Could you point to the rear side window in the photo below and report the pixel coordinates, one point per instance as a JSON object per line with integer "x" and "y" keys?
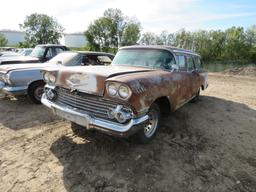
{"x": 190, "y": 63}
{"x": 58, "y": 50}
{"x": 181, "y": 62}
{"x": 104, "y": 59}
{"x": 197, "y": 61}
{"x": 49, "y": 53}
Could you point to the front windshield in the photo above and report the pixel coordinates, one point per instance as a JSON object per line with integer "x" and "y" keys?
{"x": 67, "y": 59}
{"x": 150, "y": 58}
{"x": 38, "y": 52}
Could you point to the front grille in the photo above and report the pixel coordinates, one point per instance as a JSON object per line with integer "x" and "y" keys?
{"x": 90, "y": 104}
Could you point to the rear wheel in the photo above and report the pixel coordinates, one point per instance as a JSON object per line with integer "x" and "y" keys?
{"x": 35, "y": 92}
{"x": 148, "y": 132}
{"x": 196, "y": 98}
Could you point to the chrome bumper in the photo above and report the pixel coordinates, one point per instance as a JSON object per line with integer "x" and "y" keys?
{"x": 22, "y": 90}
{"x": 112, "y": 128}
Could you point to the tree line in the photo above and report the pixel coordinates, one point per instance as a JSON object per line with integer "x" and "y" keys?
{"x": 113, "y": 30}
{"x": 233, "y": 44}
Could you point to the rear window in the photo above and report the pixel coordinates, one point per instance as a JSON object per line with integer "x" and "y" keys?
{"x": 104, "y": 59}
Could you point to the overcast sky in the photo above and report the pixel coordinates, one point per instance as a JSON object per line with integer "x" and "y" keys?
{"x": 154, "y": 15}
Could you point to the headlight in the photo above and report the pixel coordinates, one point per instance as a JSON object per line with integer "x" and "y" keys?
{"x": 49, "y": 78}
{"x": 46, "y": 76}
{"x": 118, "y": 90}
{"x": 124, "y": 92}
{"x": 112, "y": 89}
{"x": 52, "y": 78}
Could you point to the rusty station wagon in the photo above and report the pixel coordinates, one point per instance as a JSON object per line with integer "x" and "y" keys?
{"x": 129, "y": 96}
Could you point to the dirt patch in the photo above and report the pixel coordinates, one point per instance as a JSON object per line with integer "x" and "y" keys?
{"x": 204, "y": 146}
{"x": 248, "y": 71}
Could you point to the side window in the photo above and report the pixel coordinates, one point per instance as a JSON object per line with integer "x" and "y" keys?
{"x": 49, "y": 53}
{"x": 190, "y": 63}
{"x": 76, "y": 61}
{"x": 58, "y": 50}
{"x": 91, "y": 60}
{"x": 181, "y": 62}
{"x": 197, "y": 62}
{"x": 168, "y": 61}
{"x": 105, "y": 60}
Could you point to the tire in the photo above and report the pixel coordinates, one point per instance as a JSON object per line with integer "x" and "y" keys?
{"x": 196, "y": 98}
{"x": 78, "y": 129}
{"x": 148, "y": 132}
{"x": 35, "y": 92}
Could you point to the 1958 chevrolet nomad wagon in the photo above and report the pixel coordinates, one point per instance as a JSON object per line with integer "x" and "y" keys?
{"x": 129, "y": 96}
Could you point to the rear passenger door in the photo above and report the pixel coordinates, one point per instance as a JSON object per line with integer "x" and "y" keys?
{"x": 203, "y": 77}
{"x": 185, "y": 83}
{"x": 192, "y": 74}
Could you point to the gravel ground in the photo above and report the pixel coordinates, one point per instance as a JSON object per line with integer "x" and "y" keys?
{"x": 205, "y": 146}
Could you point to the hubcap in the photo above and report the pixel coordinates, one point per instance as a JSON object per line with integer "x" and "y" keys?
{"x": 151, "y": 126}
{"x": 39, "y": 92}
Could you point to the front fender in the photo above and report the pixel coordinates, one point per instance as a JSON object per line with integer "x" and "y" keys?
{"x": 24, "y": 77}
{"x": 147, "y": 87}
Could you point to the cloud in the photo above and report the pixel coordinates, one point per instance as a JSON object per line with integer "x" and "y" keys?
{"x": 154, "y": 15}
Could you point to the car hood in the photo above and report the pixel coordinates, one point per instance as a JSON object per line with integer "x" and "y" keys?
{"x": 8, "y": 68}
{"x": 18, "y": 59}
{"x": 91, "y": 79}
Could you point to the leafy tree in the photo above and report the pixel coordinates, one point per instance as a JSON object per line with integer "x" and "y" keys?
{"x": 23, "y": 45}
{"x": 148, "y": 38}
{"x": 131, "y": 33}
{"x": 119, "y": 22}
{"x": 112, "y": 30}
{"x": 100, "y": 35}
{"x": 251, "y": 36}
{"x": 165, "y": 38}
{"x": 41, "y": 29}
{"x": 3, "y": 40}
{"x": 235, "y": 45}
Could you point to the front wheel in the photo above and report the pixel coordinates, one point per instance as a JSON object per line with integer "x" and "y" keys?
{"x": 148, "y": 132}
{"x": 36, "y": 91}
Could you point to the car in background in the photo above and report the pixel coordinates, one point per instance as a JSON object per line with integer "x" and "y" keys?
{"x": 26, "y": 79}
{"x": 4, "y": 54}
{"x": 22, "y": 52}
{"x": 129, "y": 96}
{"x": 40, "y": 54}
{"x": 25, "y": 51}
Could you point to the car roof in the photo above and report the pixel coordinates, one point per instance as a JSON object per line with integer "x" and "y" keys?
{"x": 162, "y": 47}
{"x": 51, "y": 45}
{"x": 94, "y": 53}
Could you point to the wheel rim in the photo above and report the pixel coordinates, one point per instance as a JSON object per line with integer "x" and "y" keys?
{"x": 39, "y": 92}
{"x": 150, "y": 127}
